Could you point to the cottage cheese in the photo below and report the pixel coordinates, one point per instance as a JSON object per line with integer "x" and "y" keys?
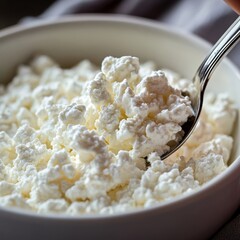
{"x": 85, "y": 140}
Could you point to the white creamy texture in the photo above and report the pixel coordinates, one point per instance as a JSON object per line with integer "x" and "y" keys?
{"x": 76, "y": 141}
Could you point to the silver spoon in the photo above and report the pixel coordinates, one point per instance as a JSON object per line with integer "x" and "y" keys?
{"x": 202, "y": 76}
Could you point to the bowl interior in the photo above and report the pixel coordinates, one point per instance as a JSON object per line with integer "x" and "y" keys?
{"x": 94, "y": 37}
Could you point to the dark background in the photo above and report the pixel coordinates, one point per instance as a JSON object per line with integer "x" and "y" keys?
{"x": 11, "y": 11}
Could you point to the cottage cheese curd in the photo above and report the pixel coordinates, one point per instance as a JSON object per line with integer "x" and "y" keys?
{"x": 85, "y": 140}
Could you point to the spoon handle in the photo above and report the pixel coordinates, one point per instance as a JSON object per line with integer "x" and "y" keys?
{"x": 219, "y": 50}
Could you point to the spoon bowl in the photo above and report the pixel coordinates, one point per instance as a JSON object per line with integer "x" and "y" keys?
{"x": 221, "y": 48}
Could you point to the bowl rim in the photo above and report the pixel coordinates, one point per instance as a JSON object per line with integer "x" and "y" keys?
{"x": 217, "y": 182}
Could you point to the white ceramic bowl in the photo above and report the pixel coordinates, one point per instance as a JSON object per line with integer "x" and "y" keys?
{"x": 196, "y": 216}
